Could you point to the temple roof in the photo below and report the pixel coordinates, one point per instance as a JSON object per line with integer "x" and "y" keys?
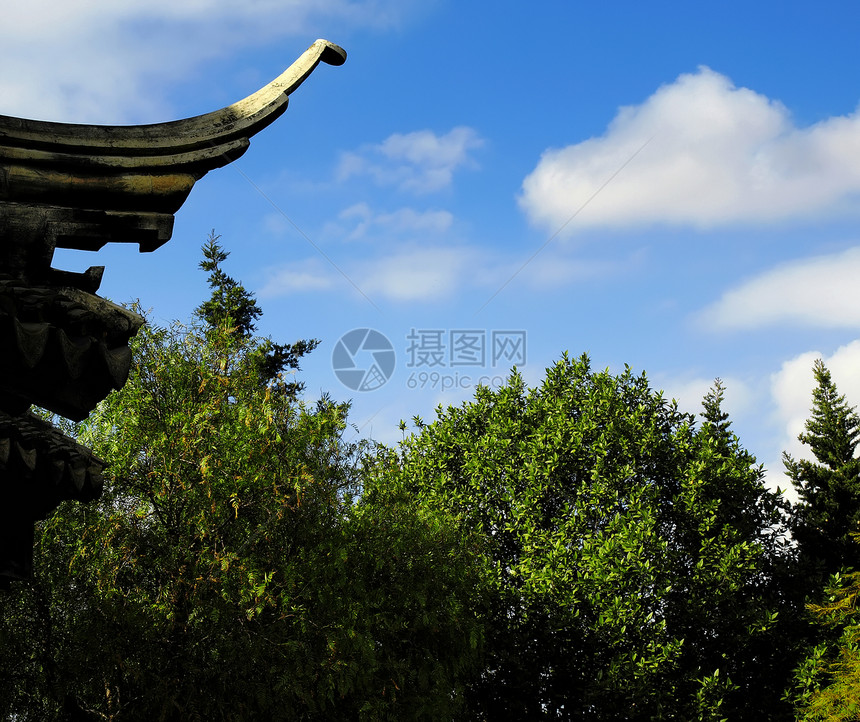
{"x": 63, "y": 349}
{"x": 70, "y": 185}
{"x": 39, "y": 468}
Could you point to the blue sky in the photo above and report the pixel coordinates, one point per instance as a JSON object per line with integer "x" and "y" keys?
{"x": 674, "y": 186}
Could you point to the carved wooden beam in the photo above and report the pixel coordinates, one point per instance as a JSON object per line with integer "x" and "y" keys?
{"x": 77, "y": 186}
{"x": 63, "y": 349}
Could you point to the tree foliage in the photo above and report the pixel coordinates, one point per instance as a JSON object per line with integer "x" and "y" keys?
{"x": 229, "y": 305}
{"x": 828, "y": 488}
{"x": 231, "y": 308}
{"x": 627, "y": 555}
{"x": 578, "y": 550}
{"x": 827, "y": 683}
{"x": 825, "y": 525}
{"x": 227, "y": 572}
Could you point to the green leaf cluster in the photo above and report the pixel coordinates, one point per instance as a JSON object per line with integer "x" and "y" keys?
{"x": 628, "y": 556}
{"x": 827, "y": 682}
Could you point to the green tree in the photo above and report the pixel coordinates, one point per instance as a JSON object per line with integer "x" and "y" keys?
{"x": 627, "y": 556}
{"x": 231, "y": 308}
{"x": 823, "y": 523}
{"x": 230, "y": 305}
{"x": 228, "y": 572}
{"x": 828, "y": 488}
{"x": 827, "y": 683}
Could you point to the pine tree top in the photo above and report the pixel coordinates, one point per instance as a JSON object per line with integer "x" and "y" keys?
{"x": 833, "y": 428}
{"x": 230, "y": 303}
{"x": 232, "y": 307}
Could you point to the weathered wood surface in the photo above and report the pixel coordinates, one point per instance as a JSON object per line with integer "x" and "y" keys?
{"x": 80, "y": 186}
{"x": 62, "y": 349}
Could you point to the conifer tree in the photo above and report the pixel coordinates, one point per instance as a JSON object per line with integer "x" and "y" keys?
{"x": 828, "y": 488}
{"x": 230, "y": 303}
{"x": 827, "y": 682}
{"x": 232, "y": 307}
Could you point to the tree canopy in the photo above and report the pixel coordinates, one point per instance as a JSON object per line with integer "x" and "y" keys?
{"x": 580, "y": 549}
{"x": 627, "y": 554}
{"x": 226, "y": 572}
{"x": 827, "y": 682}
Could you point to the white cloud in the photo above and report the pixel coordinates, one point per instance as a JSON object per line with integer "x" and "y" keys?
{"x": 434, "y": 271}
{"x": 713, "y": 154}
{"x": 410, "y": 255}
{"x": 359, "y": 221}
{"x": 443, "y": 272}
{"x": 418, "y": 162}
{"x": 819, "y": 291}
{"x": 104, "y": 61}
{"x": 410, "y": 274}
{"x": 298, "y": 277}
{"x": 417, "y": 274}
{"x": 791, "y": 390}
{"x": 554, "y": 268}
